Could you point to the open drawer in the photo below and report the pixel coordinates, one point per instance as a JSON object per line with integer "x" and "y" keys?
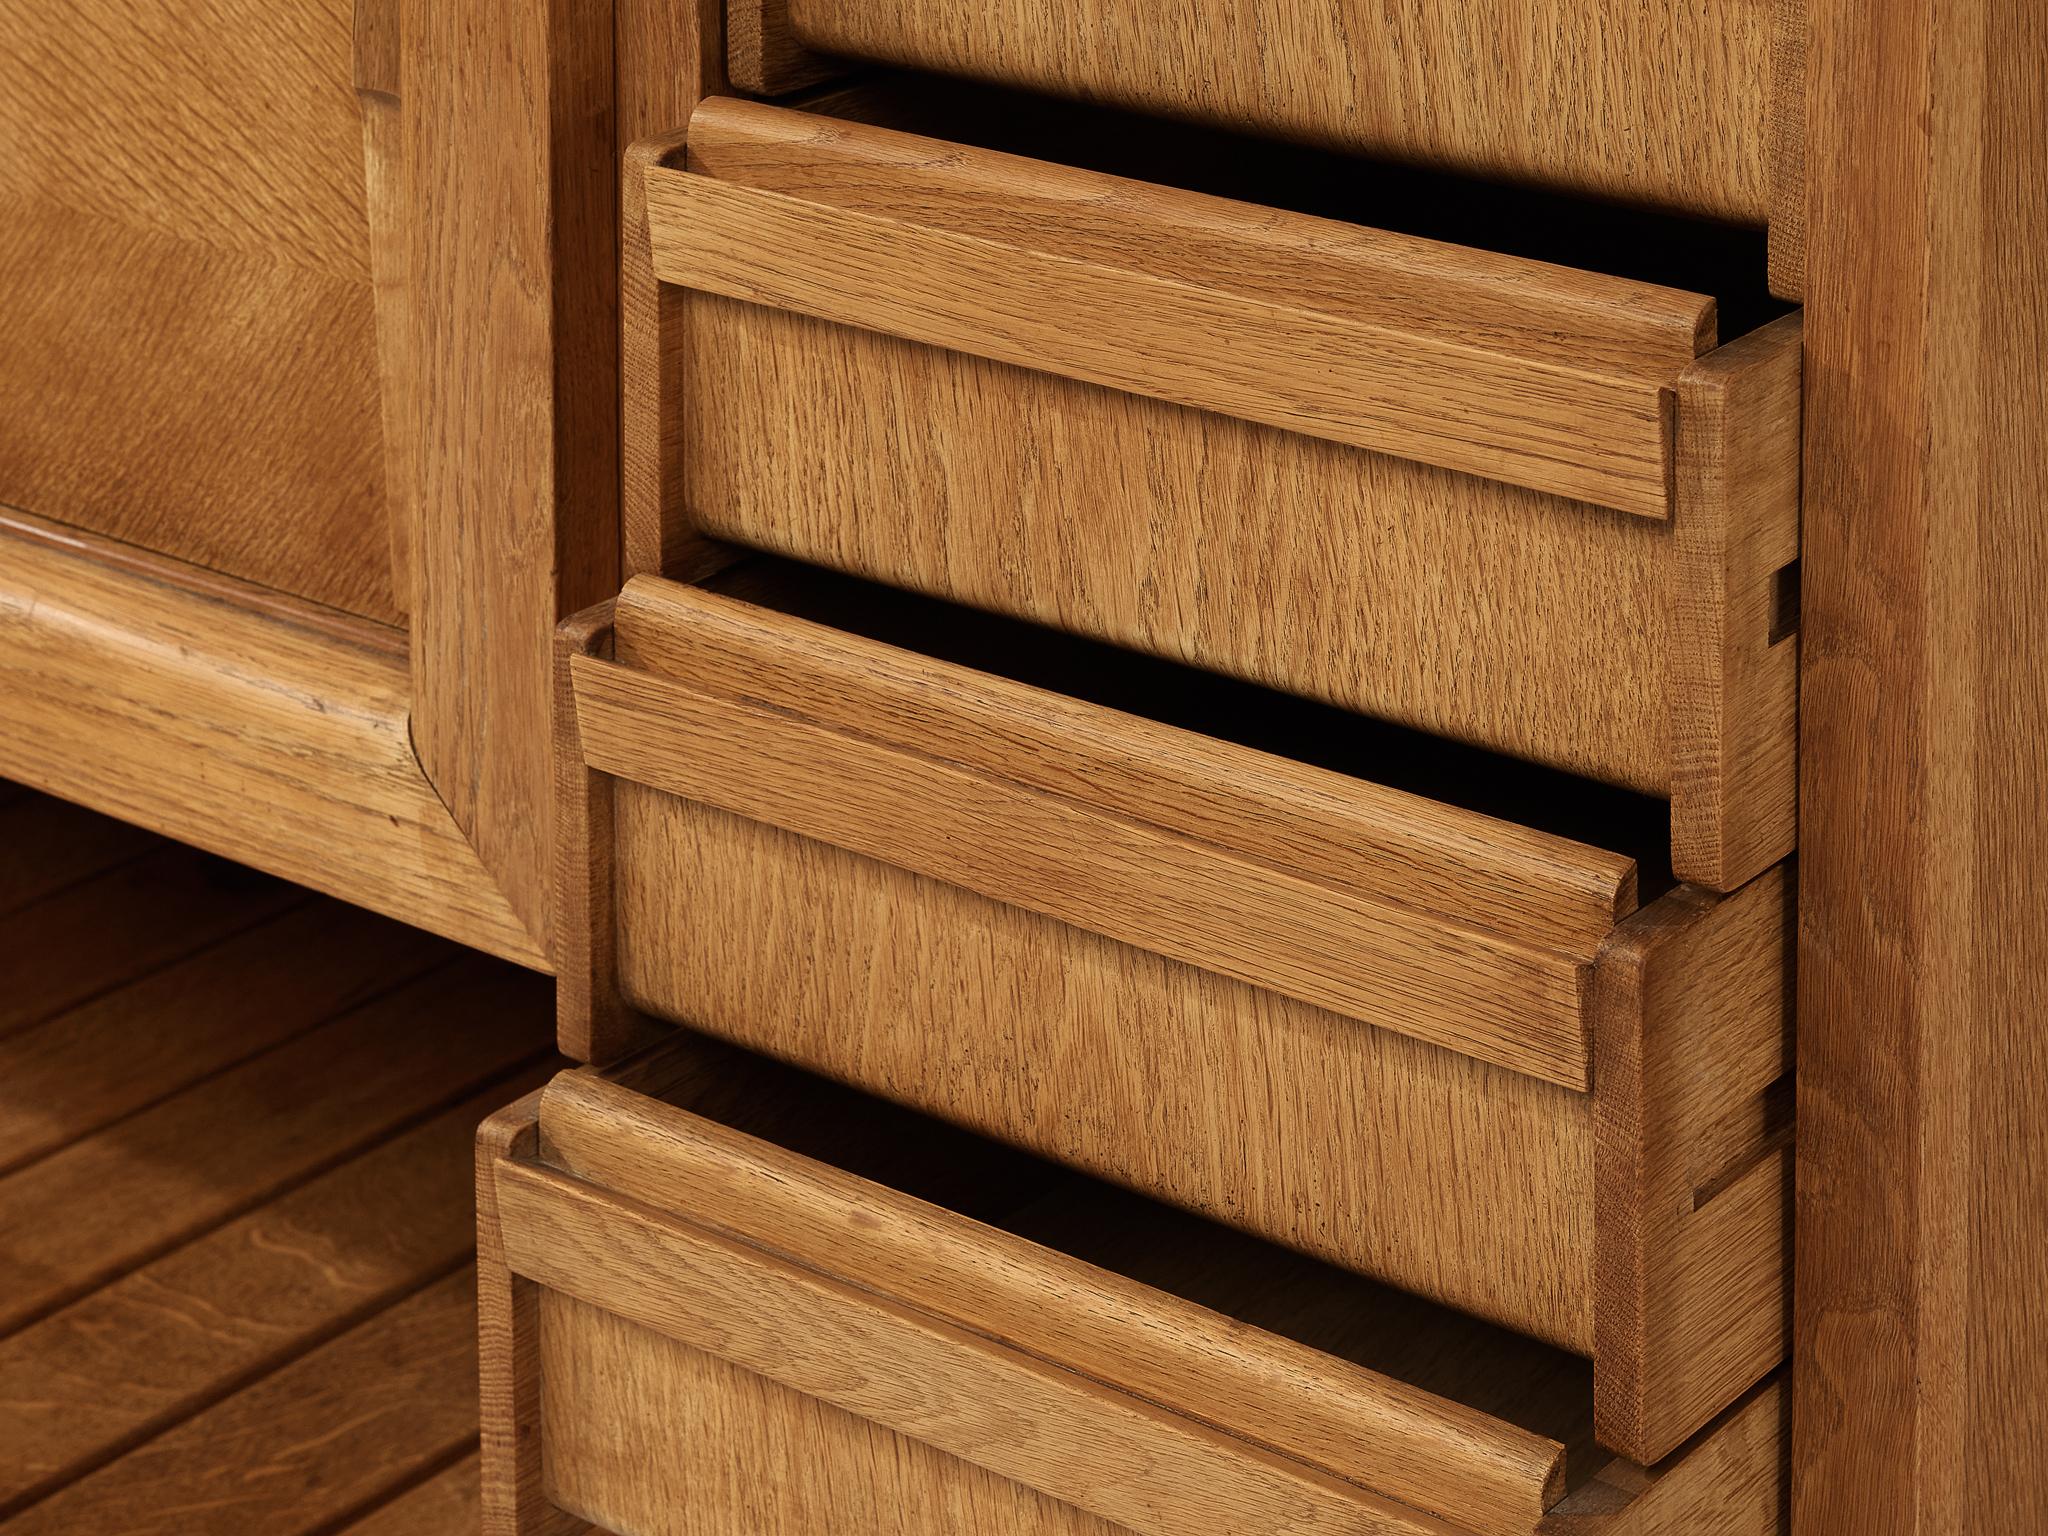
{"x": 1524, "y": 506}
{"x": 720, "y": 1295}
{"x": 1434, "y": 1038}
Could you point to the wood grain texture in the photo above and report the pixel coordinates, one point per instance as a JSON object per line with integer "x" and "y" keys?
{"x": 1358, "y": 1424}
{"x": 1363, "y": 1146}
{"x": 1342, "y": 830}
{"x": 1733, "y": 1478}
{"x": 1791, "y": 22}
{"x": 763, "y": 55}
{"x": 512, "y": 1495}
{"x": 1479, "y": 993}
{"x": 1179, "y": 533}
{"x": 257, "y": 728}
{"x": 509, "y": 166}
{"x": 191, "y": 361}
{"x": 122, "y": 925}
{"x": 313, "y": 1444}
{"x": 233, "y": 1305}
{"x": 379, "y": 63}
{"x": 762, "y": 1455}
{"x": 1920, "y": 1324}
{"x": 1414, "y": 382}
{"x": 1734, "y": 656}
{"x": 136, "y": 1044}
{"x": 47, "y": 844}
{"x": 446, "y": 1504}
{"x": 1603, "y": 98}
{"x": 1693, "y": 1026}
{"x": 83, "y": 1215}
{"x": 1113, "y": 1455}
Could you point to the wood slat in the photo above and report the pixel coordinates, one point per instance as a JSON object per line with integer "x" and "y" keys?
{"x": 131, "y": 1047}
{"x": 446, "y": 1504}
{"x": 232, "y": 719}
{"x": 103, "y": 933}
{"x": 1731, "y": 1479}
{"x": 81, "y": 1216}
{"x": 1599, "y": 437}
{"x": 47, "y": 844}
{"x": 124, "y": 1363}
{"x": 1461, "y": 987}
{"x": 1357, "y": 1424}
{"x": 1488, "y": 301}
{"x": 1349, "y": 832}
{"x": 326, "y": 1437}
{"x": 1110, "y": 1454}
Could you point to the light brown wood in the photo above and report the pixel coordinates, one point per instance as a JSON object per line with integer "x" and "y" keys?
{"x": 673, "y": 1385}
{"x": 80, "y": 1215}
{"x": 234, "y": 1304}
{"x": 1606, "y": 98}
{"x": 132, "y": 1045}
{"x": 1408, "y": 377}
{"x": 763, "y": 56}
{"x": 769, "y": 1458}
{"x": 446, "y": 1504}
{"x": 1733, "y": 1479}
{"x": 837, "y": 435}
{"x": 190, "y": 361}
{"x": 1340, "y": 830}
{"x": 1108, "y": 1453}
{"x": 1414, "y": 1163}
{"x": 1354, "y": 1423}
{"x": 302, "y": 1460}
{"x": 1920, "y": 1324}
{"x": 243, "y": 724}
{"x": 512, "y": 218}
{"x": 378, "y": 66}
{"x": 1692, "y": 1032}
{"x": 1791, "y": 23}
{"x": 1734, "y": 647}
{"x": 512, "y": 1498}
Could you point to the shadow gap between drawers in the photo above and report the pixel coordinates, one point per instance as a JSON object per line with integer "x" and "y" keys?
{"x": 1321, "y": 735}
{"x": 1727, "y": 262}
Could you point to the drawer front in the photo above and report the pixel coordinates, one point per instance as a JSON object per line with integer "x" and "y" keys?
{"x": 1501, "y": 501}
{"x": 1669, "y": 109}
{"x": 1232, "y": 980}
{"x": 704, "y": 1323}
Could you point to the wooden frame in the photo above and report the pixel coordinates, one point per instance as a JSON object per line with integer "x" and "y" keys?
{"x": 1920, "y": 1325}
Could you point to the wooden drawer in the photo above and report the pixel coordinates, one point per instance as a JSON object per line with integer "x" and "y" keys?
{"x": 1526, "y": 507}
{"x": 1404, "y": 1034}
{"x": 1671, "y": 105}
{"x": 719, "y": 1295}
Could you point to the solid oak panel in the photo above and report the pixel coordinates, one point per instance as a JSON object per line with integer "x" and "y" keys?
{"x": 1666, "y": 107}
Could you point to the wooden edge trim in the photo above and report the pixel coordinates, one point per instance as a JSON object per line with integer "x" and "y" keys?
{"x": 592, "y": 1022}
{"x": 1734, "y": 701}
{"x": 1597, "y": 437}
{"x": 375, "y": 59}
{"x": 763, "y": 54}
{"x": 1790, "y": 23}
{"x": 1419, "y": 1449}
{"x": 1691, "y": 1027}
{"x": 1546, "y": 891}
{"x": 236, "y": 719}
{"x": 377, "y": 62}
{"x": 1453, "y": 985}
{"x": 651, "y": 338}
{"x": 515, "y": 1501}
{"x": 1732, "y": 1476}
{"x": 1101, "y": 1450}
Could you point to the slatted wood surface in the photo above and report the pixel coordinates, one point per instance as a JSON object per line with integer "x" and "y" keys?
{"x": 237, "y": 1291}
